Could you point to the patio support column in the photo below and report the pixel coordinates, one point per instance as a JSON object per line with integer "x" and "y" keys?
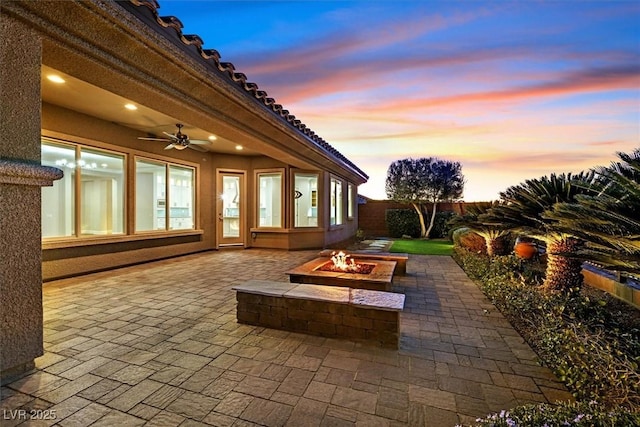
{"x": 21, "y": 176}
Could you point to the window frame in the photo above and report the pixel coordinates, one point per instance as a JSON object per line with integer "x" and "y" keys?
{"x": 73, "y": 226}
{"x": 270, "y": 171}
{"x": 319, "y": 201}
{"x": 167, "y": 192}
{"x": 351, "y": 201}
{"x": 193, "y": 196}
{"x": 339, "y": 202}
{"x": 77, "y": 147}
{"x": 129, "y": 188}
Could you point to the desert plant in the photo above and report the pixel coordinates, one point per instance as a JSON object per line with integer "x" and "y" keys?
{"x": 608, "y": 221}
{"x": 522, "y": 210}
{"x": 493, "y": 233}
{"x": 593, "y": 348}
{"x": 468, "y": 239}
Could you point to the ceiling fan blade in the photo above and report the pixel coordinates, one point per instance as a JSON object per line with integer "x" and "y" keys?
{"x": 154, "y": 139}
{"x": 198, "y": 148}
{"x": 169, "y": 147}
{"x": 173, "y": 137}
{"x": 199, "y": 142}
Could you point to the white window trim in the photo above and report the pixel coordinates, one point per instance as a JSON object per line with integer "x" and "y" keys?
{"x": 77, "y": 221}
{"x": 351, "y": 201}
{"x": 130, "y": 155}
{"x": 167, "y": 168}
{"x": 272, "y": 171}
{"x": 319, "y": 206}
{"x": 340, "y": 206}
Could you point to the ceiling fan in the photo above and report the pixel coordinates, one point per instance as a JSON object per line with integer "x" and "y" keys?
{"x": 179, "y": 141}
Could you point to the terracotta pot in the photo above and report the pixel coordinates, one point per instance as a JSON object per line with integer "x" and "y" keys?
{"x": 525, "y": 250}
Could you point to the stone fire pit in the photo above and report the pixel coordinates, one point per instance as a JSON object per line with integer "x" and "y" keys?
{"x": 378, "y": 279}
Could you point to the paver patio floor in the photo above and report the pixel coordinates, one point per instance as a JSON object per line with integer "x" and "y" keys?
{"x": 158, "y": 344}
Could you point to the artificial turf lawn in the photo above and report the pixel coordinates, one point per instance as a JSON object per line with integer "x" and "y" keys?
{"x": 423, "y": 247}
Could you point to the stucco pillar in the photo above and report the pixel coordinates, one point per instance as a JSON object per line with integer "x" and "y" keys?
{"x": 21, "y": 177}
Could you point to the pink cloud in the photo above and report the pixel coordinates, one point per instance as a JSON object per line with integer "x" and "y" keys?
{"x": 593, "y": 80}
{"x": 611, "y": 143}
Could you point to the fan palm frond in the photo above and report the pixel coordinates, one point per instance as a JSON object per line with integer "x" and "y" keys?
{"x": 608, "y": 221}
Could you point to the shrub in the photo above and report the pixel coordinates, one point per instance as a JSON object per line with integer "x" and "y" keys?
{"x": 509, "y": 242}
{"x": 402, "y": 222}
{"x": 585, "y": 414}
{"x": 441, "y": 224}
{"x": 471, "y": 241}
{"x": 578, "y": 337}
{"x": 454, "y": 234}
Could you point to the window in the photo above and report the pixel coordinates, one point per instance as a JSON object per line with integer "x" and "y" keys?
{"x": 305, "y": 199}
{"x": 156, "y": 211}
{"x": 336, "y": 202}
{"x": 58, "y": 202}
{"x": 181, "y": 197}
{"x": 270, "y": 199}
{"x": 101, "y": 192}
{"x": 351, "y": 200}
{"x": 90, "y": 198}
{"x": 151, "y": 199}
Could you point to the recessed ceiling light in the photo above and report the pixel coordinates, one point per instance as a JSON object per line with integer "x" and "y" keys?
{"x": 55, "y": 78}
{"x": 130, "y": 107}
{"x": 212, "y": 137}
{"x": 238, "y": 147}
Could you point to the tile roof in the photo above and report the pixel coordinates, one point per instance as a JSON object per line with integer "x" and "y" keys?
{"x": 240, "y": 79}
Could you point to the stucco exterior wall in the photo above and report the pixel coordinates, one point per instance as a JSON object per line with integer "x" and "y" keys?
{"x": 74, "y": 256}
{"x": 20, "y": 258}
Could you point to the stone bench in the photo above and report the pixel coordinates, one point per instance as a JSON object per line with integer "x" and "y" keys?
{"x": 328, "y": 311}
{"x": 399, "y": 258}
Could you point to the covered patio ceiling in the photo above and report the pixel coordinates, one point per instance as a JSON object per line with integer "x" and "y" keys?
{"x": 77, "y": 95}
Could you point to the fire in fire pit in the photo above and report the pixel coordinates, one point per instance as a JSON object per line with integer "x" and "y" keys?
{"x": 344, "y": 263}
{"x": 375, "y": 275}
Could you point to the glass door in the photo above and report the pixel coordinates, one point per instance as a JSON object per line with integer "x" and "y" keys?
{"x": 230, "y": 208}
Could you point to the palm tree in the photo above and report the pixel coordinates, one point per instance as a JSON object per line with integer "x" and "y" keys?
{"x": 493, "y": 234}
{"x": 609, "y": 221}
{"x": 522, "y": 212}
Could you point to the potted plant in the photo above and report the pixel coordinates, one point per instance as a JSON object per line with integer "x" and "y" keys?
{"x": 525, "y": 248}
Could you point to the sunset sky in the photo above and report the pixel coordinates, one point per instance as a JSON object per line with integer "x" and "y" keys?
{"x": 511, "y": 90}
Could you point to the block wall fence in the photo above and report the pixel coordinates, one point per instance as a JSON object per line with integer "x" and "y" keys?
{"x": 371, "y": 214}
